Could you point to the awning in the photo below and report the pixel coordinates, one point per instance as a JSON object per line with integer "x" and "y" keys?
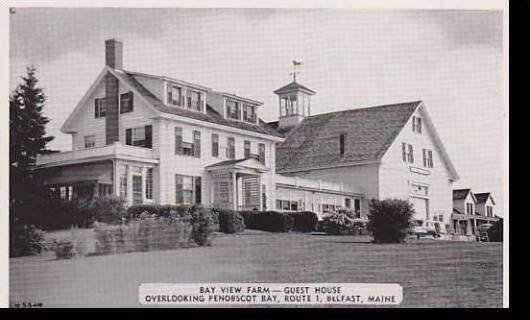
{"x": 239, "y": 165}
{"x": 94, "y": 172}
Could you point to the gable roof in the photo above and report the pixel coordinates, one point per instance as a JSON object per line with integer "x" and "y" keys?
{"x": 158, "y": 106}
{"x": 370, "y": 131}
{"x": 293, "y": 86}
{"x": 461, "y": 194}
{"x": 483, "y": 197}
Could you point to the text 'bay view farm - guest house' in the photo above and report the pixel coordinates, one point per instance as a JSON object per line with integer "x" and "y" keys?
{"x": 155, "y": 139}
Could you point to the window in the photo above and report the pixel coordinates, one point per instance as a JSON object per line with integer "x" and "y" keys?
{"x": 469, "y": 208}
{"x": 416, "y": 124}
{"x": 137, "y": 188}
{"x": 215, "y": 145}
{"x": 263, "y": 196}
{"x": 174, "y": 95}
{"x": 427, "y": 158}
{"x": 489, "y": 211}
{"x": 249, "y": 113}
{"x": 261, "y": 155}
{"x": 342, "y": 139}
{"x": 126, "y": 102}
{"x": 90, "y": 141}
{"x": 231, "y": 148}
{"x": 357, "y": 207}
{"x": 196, "y": 98}
{"x": 140, "y": 137}
{"x": 196, "y": 144}
{"x": 347, "y": 203}
{"x": 123, "y": 182}
{"x": 100, "y": 107}
{"x": 178, "y": 140}
{"x": 247, "y": 149}
{"x": 233, "y": 110}
{"x": 187, "y": 189}
{"x": 441, "y": 217}
{"x": 407, "y": 152}
{"x": 149, "y": 184}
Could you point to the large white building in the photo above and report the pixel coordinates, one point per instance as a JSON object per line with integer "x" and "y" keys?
{"x": 154, "y": 139}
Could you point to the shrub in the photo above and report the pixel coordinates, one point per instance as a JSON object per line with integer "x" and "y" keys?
{"x": 147, "y": 233}
{"x": 159, "y": 210}
{"x": 204, "y": 224}
{"x": 108, "y": 209}
{"x": 64, "y": 249}
{"x": 337, "y": 224}
{"x": 268, "y": 221}
{"x": 229, "y": 221}
{"x": 495, "y": 232}
{"x": 389, "y": 220}
{"x": 25, "y": 240}
{"x": 304, "y": 221}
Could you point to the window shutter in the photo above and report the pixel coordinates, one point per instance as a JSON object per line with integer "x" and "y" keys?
{"x": 215, "y": 145}
{"x": 96, "y": 109}
{"x": 197, "y": 144}
{"x": 198, "y": 189}
{"x": 178, "y": 140}
{"x": 262, "y": 153}
{"x": 404, "y": 151}
{"x": 179, "y": 196}
{"x": 411, "y": 152}
{"x": 131, "y": 101}
{"x": 424, "y": 157}
{"x": 149, "y": 136}
{"x": 128, "y": 137}
{"x": 419, "y": 125}
{"x": 413, "y": 124}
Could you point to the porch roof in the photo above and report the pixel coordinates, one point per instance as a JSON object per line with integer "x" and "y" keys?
{"x": 238, "y": 164}
{"x": 96, "y": 172}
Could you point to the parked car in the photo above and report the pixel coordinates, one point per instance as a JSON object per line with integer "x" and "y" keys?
{"x": 424, "y": 228}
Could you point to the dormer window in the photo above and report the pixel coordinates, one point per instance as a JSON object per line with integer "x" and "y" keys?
{"x": 342, "y": 140}
{"x": 249, "y": 113}
{"x": 174, "y": 95}
{"x": 233, "y": 110}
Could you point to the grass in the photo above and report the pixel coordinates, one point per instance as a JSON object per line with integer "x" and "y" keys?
{"x": 432, "y": 273}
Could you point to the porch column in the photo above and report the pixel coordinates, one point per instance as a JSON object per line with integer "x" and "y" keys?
{"x": 234, "y": 191}
{"x": 129, "y": 185}
{"x": 259, "y": 194}
{"x": 116, "y": 177}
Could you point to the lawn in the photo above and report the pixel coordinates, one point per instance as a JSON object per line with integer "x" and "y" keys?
{"x": 432, "y": 273}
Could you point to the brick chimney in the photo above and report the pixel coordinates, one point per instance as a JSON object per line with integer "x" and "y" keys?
{"x": 114, "y": 53}
{"x": 113, "y": 59}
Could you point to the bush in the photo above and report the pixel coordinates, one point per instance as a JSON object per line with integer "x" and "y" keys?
{"x": 25, "y": 240}
{"x": 268, "y": 221}
{"x": 147, "y": 233}
{"x": 204, "y": 224}
{"x": 304, "y": 221}
{"x": 389, "y": 220}
{"x": 64, "y": 249}
{"x": 337, "y": 223}
{"x": 135, "y": 211}
{"x": 108, "y": 209}
{"x": 495, "y": 232}
{"x": 229, "y": 221}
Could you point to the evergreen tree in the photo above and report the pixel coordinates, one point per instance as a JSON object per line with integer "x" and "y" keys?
{"x": 27, "y": 140}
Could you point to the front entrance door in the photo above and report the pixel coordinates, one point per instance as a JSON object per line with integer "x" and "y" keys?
{"x": 421, "y": 208}
{"x": 137, "y": 189}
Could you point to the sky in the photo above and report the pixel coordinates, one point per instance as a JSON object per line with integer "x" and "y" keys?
{"x": 452, "y": 60}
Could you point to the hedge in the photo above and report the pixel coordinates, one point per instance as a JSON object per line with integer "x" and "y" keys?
{"x": 229, "y": 221}
{"x": 273, "y": 221}
{"x": 304, "y": 221}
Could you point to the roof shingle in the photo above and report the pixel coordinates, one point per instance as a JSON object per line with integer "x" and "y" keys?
{"x": 460, "y": 194}
{"x": 369, "y": 132}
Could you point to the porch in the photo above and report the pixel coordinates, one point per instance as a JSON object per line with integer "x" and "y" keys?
{"x": 237, "y": 184}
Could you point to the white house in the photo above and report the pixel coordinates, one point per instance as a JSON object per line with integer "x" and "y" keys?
{"x": 470, "y": 210}
{"x": 390, "y": 151}
{"x": 155, "y": 139}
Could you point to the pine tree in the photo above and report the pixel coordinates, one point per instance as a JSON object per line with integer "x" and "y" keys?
{"x": 27, "y": 140}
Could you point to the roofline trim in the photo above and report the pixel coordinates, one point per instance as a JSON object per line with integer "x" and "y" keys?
{"x": 348, "y": 164}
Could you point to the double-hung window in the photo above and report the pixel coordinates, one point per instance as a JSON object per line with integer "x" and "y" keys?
{"x": 174, "y": 95}
{"x": 427, "y": 158}
{"x": 126, "y": 102}
{"x": 187, "y": 190}
{"x": 215, "y": 145}
{"x": 231, "y": 148}
{"x": 469, "y": 208}
{"x": 149, "y": 184}
{"x": 407, "y": 152}
{"x": 247, "y": 149}
{"x": 90, "y": 141}
{"x": 261, "y": 154}
{"x": 249, "y": 113}
{"x": 100, "y": 108}
{"x": 196, "y": 144}
{"x": 233, "y": 110}
{"x": 416, "y": 124}
{"x": 140, "y": 136}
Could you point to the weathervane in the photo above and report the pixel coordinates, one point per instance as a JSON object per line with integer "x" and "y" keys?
{"x": 294, "y": 73}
